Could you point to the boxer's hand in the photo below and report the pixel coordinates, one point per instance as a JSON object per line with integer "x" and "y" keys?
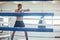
{"x": 27, "y": 9}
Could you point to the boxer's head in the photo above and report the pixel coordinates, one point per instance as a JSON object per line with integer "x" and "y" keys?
{"x": 19, "y": 6}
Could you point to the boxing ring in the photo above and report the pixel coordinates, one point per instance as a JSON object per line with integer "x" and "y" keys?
{"x": 29, "y": 29}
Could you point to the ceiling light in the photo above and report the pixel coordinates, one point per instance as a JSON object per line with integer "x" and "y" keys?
{"x": 34, "y": 2}
{"x": 53, "y": 1}
{"x": 17, "y": 2}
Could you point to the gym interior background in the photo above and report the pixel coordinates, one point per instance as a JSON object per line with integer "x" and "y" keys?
{"x": 31, "y": 22}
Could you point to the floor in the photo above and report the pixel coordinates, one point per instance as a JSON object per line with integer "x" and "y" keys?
{"x": 35, "y": 36}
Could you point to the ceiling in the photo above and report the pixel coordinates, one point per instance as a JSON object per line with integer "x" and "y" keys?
{"x": 29, "y": 1}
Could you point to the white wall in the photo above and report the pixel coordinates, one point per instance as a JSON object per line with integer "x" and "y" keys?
{"x": 8, "y": 7}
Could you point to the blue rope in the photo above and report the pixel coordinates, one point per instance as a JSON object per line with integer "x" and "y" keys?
{"x": 26, "y": 29}
{"x": 26, "y": 14}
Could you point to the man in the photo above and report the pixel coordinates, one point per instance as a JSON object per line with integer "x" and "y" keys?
{"x": 19, "y": 19}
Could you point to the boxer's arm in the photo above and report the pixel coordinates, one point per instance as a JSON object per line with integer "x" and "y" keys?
{"x": 16, "y": 11}
{"x": 25, "y": 10}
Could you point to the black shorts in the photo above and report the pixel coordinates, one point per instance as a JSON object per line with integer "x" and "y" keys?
{"x": 19, "y": 24}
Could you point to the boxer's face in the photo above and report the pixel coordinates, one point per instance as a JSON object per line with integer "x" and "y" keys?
{"x": 19, "y": 7}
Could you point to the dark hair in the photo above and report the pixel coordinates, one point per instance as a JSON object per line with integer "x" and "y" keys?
{"x": 19, "y": 4}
